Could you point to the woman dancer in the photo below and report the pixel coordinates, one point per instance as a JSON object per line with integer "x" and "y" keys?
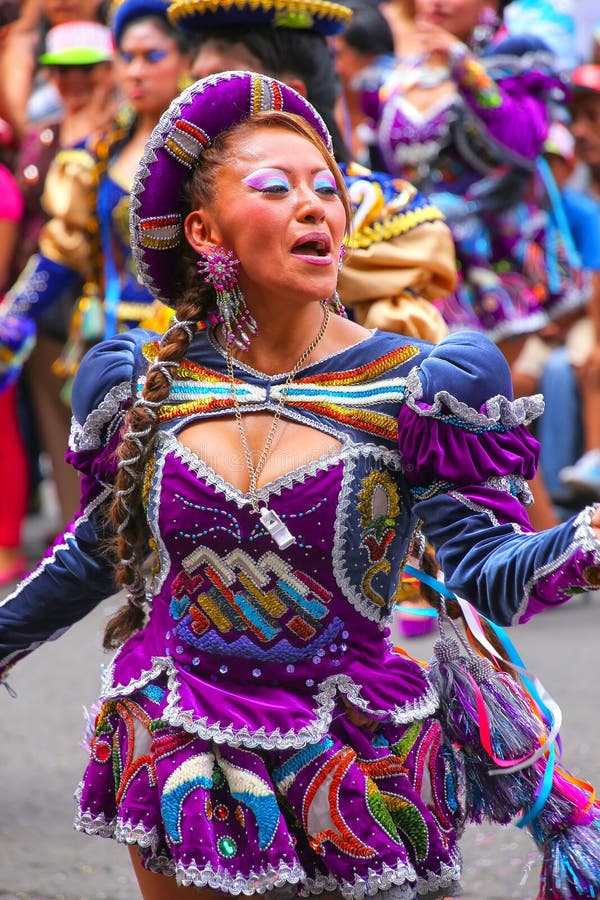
{"x": 257, "y": 732}
{"x": 464, "y": 115}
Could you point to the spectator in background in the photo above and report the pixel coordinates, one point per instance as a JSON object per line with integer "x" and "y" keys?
{"x": 21, "y": 87}
{"x": 585, "y": 127}
{"x": 78, "y": 58}
{"x": 563, "y": 359}
{"x": 14, "y": 482}
{"x": 366, "y": 37}
{"x": 84, "y": 248}
{"x": 463, "y": 115}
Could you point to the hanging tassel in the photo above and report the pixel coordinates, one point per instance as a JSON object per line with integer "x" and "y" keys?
{"x": 507, "y": 729}
{"x": 570, "y": 865}
{"x": 493, "y": 722}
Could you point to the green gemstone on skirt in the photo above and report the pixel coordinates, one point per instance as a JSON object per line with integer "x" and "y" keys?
{"x": 227, "y": 847}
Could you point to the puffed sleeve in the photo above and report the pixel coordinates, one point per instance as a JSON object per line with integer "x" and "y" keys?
{"x": 468, "y": 454}
{"x": 77, "y": 571}
{"x": 509, "y": 93}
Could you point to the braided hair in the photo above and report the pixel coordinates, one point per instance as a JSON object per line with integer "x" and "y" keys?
{"x": 141, "y": 422}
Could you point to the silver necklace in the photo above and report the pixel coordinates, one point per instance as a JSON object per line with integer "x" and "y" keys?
{"x": 269, "y": 519}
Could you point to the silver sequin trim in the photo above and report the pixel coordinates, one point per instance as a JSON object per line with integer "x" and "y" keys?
{"x": 419, "y": 708}
{"x": 478, "y": 507}
{"x": 168, "y": 443}
{"x": 89, "y": 435}
{"x": 499, "y": 409}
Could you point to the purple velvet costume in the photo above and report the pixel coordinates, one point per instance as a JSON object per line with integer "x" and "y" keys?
{"x": 227, "y": 746}
{"x": 474, "y": 153}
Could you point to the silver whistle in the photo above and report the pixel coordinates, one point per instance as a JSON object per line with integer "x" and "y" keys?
{"x": 280, "y": 533}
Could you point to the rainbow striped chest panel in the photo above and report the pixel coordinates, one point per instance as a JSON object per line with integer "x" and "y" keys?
{"x": 230, "y": 591}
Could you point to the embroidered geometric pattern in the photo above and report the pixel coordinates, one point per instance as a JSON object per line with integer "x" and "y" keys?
{"x": 255, "y": 602}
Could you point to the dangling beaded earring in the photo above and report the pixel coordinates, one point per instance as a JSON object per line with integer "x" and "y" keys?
{"x": 219, "y": 269}
{"x": 336, "y": 304}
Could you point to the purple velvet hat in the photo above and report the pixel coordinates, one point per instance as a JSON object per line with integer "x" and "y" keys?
{"x": 189, "y": 126}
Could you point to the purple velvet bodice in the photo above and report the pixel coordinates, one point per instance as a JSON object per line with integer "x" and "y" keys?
{"x": 242, "y": 627}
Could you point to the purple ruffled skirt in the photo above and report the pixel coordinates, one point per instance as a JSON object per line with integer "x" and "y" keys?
{"x": 358, "y": 812}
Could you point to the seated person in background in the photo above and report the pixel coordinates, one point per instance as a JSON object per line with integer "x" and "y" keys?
{"x": 563, "y": 359}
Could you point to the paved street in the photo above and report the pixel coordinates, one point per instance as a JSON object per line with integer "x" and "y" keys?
{"x": 42, "y": 858}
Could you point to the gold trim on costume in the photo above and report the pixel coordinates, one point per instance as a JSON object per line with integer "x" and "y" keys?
{"x": 393, "y": 226}
{"x": 286, "y": 12}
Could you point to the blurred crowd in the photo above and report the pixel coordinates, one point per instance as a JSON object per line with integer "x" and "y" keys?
{"x": 490, "y": 110}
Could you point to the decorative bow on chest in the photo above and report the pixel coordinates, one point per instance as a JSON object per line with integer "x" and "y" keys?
{"x": 354, "y": 398}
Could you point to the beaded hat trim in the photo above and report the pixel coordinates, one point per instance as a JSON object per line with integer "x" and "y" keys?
{"x": 321, "y": 16}
{"x": 185, "y": 130}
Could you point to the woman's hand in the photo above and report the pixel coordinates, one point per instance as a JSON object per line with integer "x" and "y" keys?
{"x": 433, "y": 41}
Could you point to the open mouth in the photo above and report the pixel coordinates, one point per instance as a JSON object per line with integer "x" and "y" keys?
{"x": 312, "y": 247}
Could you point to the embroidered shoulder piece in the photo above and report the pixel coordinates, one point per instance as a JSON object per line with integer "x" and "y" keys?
{"x": 351, "y": 397}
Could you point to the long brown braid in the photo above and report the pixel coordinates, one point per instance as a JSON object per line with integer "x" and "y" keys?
{"x": 140, "y": 427}
{"x": 139, "y": 433}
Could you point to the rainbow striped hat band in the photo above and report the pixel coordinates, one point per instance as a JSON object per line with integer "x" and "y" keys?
{"x": 190, "y": 125}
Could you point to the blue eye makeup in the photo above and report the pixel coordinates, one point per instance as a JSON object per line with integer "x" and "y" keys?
{"x": 156, "y": 55}
{"x": 269, "y": 181}
{"x": 152, "y": 56}
{"x": 325, "y": 182}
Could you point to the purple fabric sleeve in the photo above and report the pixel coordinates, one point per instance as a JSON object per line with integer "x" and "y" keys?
{"x": 468, "y": 461}
{"x": 77, "y": 571}
{"x": 435, "y": 450}
{"x": 519, "y": 118}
